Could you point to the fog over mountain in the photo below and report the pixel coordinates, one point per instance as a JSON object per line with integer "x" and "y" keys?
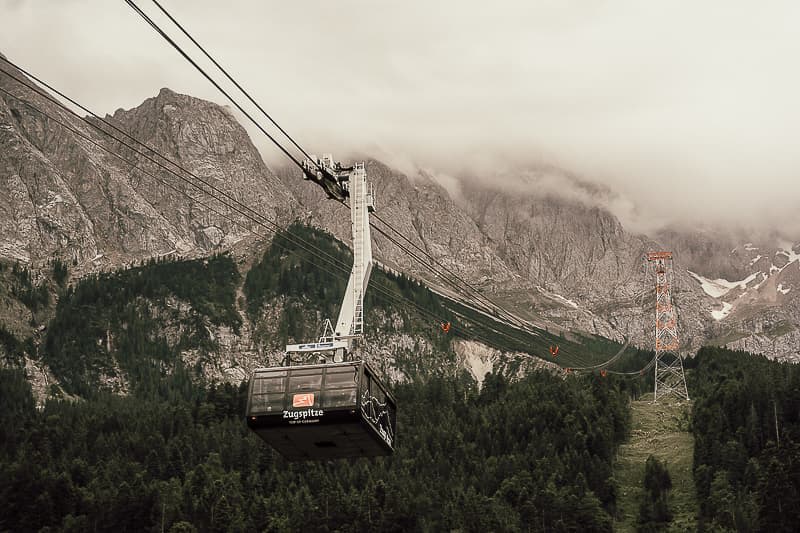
{"x": 684, "y": 112}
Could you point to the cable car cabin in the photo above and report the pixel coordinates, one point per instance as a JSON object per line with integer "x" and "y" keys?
{"x": 322, "y": 411}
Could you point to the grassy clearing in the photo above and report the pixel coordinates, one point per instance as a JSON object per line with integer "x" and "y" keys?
{"x": 662, "y": 430}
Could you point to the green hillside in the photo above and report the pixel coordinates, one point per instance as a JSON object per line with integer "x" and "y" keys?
{"x": 127, "y": 325}
{"x": 530, "y": 451}
{"x": 26, "y": 306}
{"x": 291, "y": 270}
{"x": 174, "y": 450}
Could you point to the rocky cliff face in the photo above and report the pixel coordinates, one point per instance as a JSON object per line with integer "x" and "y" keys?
{"x": 63, "y": 196}
{"x": 555, "y": 261}
{"x": 422, "y": 211}
{"x": 42, "y": 216}
{"x": 580, "y": 266}
{"x": 757, "y": 309}
{"x": 206, "y": 140}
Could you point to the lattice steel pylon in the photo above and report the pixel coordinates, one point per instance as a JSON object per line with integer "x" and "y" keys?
{"x": 670, "y": 379}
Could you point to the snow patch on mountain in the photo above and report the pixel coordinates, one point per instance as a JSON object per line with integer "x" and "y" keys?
{"x": 722, "y": 313}
{"x": 719, "y": 287}
{"x": 558, "y": 297}
{"x": 782, "y": 290}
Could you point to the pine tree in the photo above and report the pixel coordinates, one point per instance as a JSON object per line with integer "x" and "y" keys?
{"x": 654, "y": 513}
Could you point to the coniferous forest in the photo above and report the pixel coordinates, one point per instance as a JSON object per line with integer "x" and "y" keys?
{"x": 171, "y": 450}
{"x": 746, "y": 423}
{"x": 135, "y": 439}
{"x": 534, "y": 454}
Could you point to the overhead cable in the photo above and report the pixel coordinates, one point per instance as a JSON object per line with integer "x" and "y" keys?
{"x": 228, "y": 202}
{"x": 508, "y": 316}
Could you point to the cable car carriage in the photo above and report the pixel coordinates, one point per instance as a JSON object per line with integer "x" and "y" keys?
{"x": 327, "y": 410}
{"x": 332, "y": 408}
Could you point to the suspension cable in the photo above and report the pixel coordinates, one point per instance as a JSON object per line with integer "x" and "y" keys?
{"x": 233, "y": 205}
{"x": 186, "y": 56}
{"x": 510, "y": 317}
{"x": 231, "y": 79}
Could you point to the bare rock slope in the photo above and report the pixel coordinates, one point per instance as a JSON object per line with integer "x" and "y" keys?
{"x": 551, "y": 259}
{"x": 62, "y": 195}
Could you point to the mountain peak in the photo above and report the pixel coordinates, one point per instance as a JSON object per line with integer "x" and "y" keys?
{"x": 79, "y": 203}
{"x": 166, "y": 92}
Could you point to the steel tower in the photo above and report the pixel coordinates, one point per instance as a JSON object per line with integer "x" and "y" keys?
{"x": 670, "y": 380}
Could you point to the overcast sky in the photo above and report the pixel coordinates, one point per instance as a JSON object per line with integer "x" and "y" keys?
{"x": 686, "y": 110}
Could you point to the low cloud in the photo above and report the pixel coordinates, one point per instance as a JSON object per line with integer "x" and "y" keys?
{"x": 686, "y": 112}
